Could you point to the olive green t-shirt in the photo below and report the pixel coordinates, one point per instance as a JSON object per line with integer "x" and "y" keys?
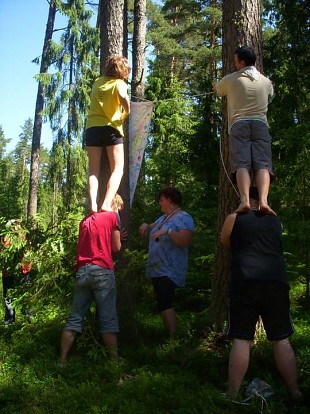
{"x": 247, "y": 96}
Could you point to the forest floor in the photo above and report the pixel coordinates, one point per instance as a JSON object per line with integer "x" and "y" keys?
{"x": 154, "y": 376}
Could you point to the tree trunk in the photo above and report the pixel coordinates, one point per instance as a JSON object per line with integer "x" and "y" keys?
{"x": 245, "y": 30}
{"x": 138, "y": 49}
{"x": 68, "y": 185}
{"x": 37, "y": 128}
{"x": 138, "y": 59}
{"x": 124, "y": 189}
{"x": 111, "y": 29}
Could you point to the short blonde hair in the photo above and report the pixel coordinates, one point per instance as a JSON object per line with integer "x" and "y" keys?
{"x": 117, "y": 202}
{"x": 117, "y": 67}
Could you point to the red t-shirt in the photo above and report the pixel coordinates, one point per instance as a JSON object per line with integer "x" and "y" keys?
{"x": 95, "y": 239}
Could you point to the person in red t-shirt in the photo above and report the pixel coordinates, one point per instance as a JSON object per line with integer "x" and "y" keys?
{"x": 99, "y": 236}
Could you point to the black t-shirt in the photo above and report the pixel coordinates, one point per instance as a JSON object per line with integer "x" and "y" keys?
{"x": 256, "y": 248}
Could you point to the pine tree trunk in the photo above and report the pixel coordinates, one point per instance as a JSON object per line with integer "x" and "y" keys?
{"x": 111, "y": 29}
{"x": 138, "y": 59}
{"x": 124, "y": 189}
{"x": 68, "y": 186}
{"x": 37, "y": 128}
{"x": 245, "y": 30}
{"x": 138, "y": 49}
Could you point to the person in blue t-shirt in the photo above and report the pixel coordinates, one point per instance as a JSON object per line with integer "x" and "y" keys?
{"x": 169, "y": 239}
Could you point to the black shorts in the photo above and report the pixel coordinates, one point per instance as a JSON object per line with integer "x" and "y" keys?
{"x": 267, "y": 299}
{"x": 164, "y": 290}
{"x": 102, "y": 136}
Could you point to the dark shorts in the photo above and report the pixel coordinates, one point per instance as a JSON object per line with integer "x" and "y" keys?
{"x": 102, "y": 136}
{"x": 250, "y": 146}
{"x": 267, "y": 299}
{"x": 164, "y": 290}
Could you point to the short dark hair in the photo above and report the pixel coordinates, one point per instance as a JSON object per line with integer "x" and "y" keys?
{"x": 172, "y": 193}
{"x": 246, "y": 54}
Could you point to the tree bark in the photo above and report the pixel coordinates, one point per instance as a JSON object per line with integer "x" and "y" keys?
{"x": 241, "y": 26}
{"x": 37, "y": 128}
{"x": 138, "y": 59}
{"x": 138, "y": 49}
{"x": 111, "y": 29}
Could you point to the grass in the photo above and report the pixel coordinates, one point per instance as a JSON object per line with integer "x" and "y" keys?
{"x": 155, "y": 376}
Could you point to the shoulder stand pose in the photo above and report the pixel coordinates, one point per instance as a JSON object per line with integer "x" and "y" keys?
{"x": 99, "y": 236}
{"x": 109, "y": 108}
{"x": 258, "y": 288}
{"x": 248, "y": 92}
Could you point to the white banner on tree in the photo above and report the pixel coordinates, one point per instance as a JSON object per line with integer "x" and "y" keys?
{"x": 139, "y": 124}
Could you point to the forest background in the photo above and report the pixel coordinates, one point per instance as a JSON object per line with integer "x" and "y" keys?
{"x": 183, "y": 149}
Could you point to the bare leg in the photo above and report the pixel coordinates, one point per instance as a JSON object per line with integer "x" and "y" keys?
{"x": 285, "y": 360}
{"x": 238, "y": 364}
{"x": 94, "y": 160}
{"x": 67, "y": 340}
{"x": 110, "y": 341}
{"x": 243, "y": 183}
{"x": 169, "y": 319}
{"x": 116, "y": 160}
{"x": 262, "y": 179}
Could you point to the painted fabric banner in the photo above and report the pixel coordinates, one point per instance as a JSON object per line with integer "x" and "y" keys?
{"x": 139, "y": 124}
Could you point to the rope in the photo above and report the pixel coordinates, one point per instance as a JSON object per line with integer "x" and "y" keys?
{"x": 170, "y": 99}
{"x": 221, "y": 153}
{"x": 225, "y": 170}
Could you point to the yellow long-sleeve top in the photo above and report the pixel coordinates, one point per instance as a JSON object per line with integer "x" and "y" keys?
{"x": 105, "y": 108}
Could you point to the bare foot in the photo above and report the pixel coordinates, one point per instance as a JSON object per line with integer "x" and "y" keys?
{"x": 264, "y": 208}
{"x": 104, "y": 207}
{"x": 94, "y": 208}
{"x": 244, "y": 207}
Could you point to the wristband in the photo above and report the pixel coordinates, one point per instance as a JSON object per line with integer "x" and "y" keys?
{"x": 169, "y": 231}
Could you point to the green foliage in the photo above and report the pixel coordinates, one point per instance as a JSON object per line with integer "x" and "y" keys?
{"x": 6, "y": 176}
{"x": 14, "y": 174}
{"x": 52, "y": 254}
{"x": 155, "y": 376}
{"x": 75, "y": 64}
{"x": 13, "y": 243}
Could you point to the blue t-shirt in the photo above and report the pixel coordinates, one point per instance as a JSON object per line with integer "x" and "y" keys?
{"x": 165, "y": 258}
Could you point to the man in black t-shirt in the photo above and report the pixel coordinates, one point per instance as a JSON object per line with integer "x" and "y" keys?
{"x": 259, "y": 288}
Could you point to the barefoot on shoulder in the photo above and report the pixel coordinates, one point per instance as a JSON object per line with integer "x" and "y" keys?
{"x": 264, "y": 208}
{"x": 244, "y": 207}
{"x": 93, "y": 208}
{"x": 106, "y": 207}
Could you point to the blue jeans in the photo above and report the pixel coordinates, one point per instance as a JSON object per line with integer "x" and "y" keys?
{"x": 94, "y": 283}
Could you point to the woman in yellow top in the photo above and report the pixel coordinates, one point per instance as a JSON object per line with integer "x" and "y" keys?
{"x": 109, "y": 108}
